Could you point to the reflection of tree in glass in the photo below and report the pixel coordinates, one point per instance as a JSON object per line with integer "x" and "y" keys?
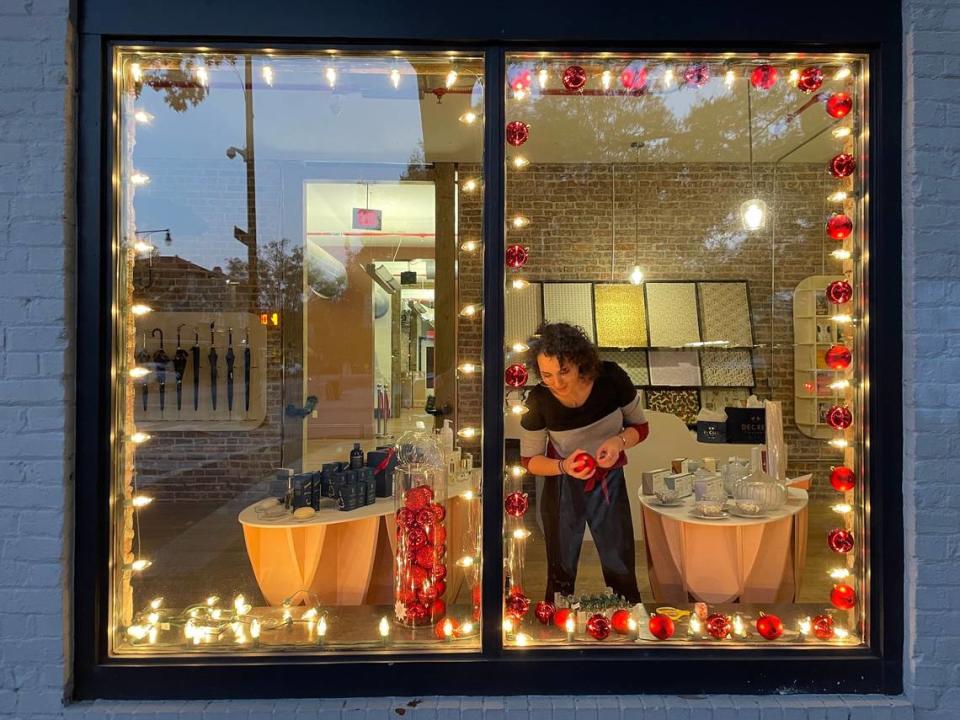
{"x": 178, "y": 83}
{"x": 280, "y": 268}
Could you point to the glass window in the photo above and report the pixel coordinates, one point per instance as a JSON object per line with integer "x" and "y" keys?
{"x": 296, "y": 396}
{"x": 686, "y": 366}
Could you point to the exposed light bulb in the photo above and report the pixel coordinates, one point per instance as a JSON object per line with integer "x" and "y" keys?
{"x": 842, "y": 508}
{"x": 841, "y": 131}
{"x": 519, "y": 93}
{"x": 605, "y": 79}
{"x": 136, "y": 72}
{"x": 794, "y": 76}
{"x": 842, "y": 74}
{"x": 841, "y": 254}
{"x": 137, "y": 632}
{"x": 839, "y": 443}
{"x": 138, "y": 372}
{"x": 837, "y": 197}
{"x": 842, "y": 319}
{"x": 384, "y": 627}
{"x": 469, "y": 185}
{"x": 202, "y": 76}
{"x": 470, "y": 246}
{"x": 466, "y": 628}
{"x": 331, "y": 74}
{"x": 729, "y": 78}
{"x": 518, "y": 283}
{"x": 451, "y": 79}
{"x": 517, "y": 471}
{"x": 521, "y": 534}
{"x": 395, "y": 78}
{"x": 468, "y": 495}
{"x": 139, "y": 178}
{"x": 518, "y": 409}
{"x": 470, "y": 311}
{"x": 839, "y": 573}
{"x": 142, "y": 247}
{"x": 840, "y": 385}
{"x": 542, "y": 77}
{"x": 139, "y": 565}
{"x": 310, "y": 614}
{"x": 213, "y": 600}
{"x": 754, "y": 214}
{"x": 467, "y": 432}
{"x": 519, "y": 347}
{"x": 156, "y": 603}
{"x": 468, "y": 368}
{"x": 520, "y": 162}
{"x": 570, "y": 624}
{"x": 322, "y": 627}
{"x": 447, "y": 629}
{"x": 142, "y": 116}
{"x": 140, "y": 501}
{"x": 465, "y": 562}
{"x": 140, "y": 309}
{"x": 522, "y": 639}
{"x": 520, "y": 221}
{"x": 738, "y": 628}
{"x": 507, "y": 625}
{"x": 255, "y": 628}
{"x": 468, "y": 118}
{"x": 804, "y": 626}
{"x": 267, "y": 73}
{"x": 636, "y": 275}
{"x": 139, "y": 437}
{"x": 668, "y": 76}
{"x": 841, "y": 633}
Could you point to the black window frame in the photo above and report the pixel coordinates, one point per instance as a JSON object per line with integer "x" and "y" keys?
{"x": 747, "y": 25}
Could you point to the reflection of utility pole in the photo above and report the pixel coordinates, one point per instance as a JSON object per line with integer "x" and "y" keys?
{"x": 249, "y": 237}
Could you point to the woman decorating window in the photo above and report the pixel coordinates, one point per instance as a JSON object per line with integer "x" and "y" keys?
{"x": 582, "y": 407}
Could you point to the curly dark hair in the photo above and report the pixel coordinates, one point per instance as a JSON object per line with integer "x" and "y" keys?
{"x": 569, "y": 344}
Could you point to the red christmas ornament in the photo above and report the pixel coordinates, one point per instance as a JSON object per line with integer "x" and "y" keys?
{"x": 415, "y": 499}
{"x": 839, "y": 417}
{"x": 839, "y": 292}
{"x": 838, "y": 357}
{"x": 764, "y": 77}
{"x": 425, "y": 516}
{"x": 516, "y": 375}
{"x": 839, "y": 105}
{"x": 438, "y": 608}
{"x": 516, "y": 256}
{"x": 439, "y": 571}
{"x": 475, "y": 594}
{"x": 810, "y": 79}
{"x": 441, "y": 587}
{"x": 416, "y": 612}
{"x": 436, "y": 534}
{"x": 517, "y": 133}
{"x": 839, "y": 226}
{"x": 560, "y": 617}
{"x": 416, "y": 537}
{"x": 425, "y": 556}
{"x": 661, "y": 627}
{"x": 584, "y": 462}
{"x": 406, "y": 518}
{"x": 598, "y": 626}
{"x": 840, "y": 541}
{"x": 517, "y": 604}
{"x": 842, "y": 479}
{"x": 697, "y": 75}
{"x": 428, "y": 594}
{"x": 842, "y": 165}
{"x": 633, "y": 78}
{"x": 843, "y": 597}
{"x": 441, "y": 550}
{"x": 823, "y": 626}
{"x": 574, "y": 78}
{"x": 621, "y": 621}
{"x": 769, "y": 626}
{"x": 521, "y": 80}
{"x": 418, "y": 576}
{"x": 516, "y": 504}
{"x": 440, "y": 630}
{"x": 439, "y": 511}
{"x": 545, "y": 612}
{"x": 719, "y": 625}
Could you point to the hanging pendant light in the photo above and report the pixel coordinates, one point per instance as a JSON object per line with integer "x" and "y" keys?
{"x": 753, "y": 212}
{"x": 636, "y": 275}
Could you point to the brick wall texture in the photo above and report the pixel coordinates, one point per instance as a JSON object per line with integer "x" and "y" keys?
{"x": 37, "y": 245}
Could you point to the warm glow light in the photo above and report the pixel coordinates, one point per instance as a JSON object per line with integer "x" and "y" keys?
{"x": 447, "y": 629}
{"x": 518, "y": 409}
{"x": 522, "y": 639}
{"x": 605, "y": 79}
{"x": 395, "y": 77}
{"x": 520, "y": 221}
{"x": 519, "y": 347}
{"x": 468, "y": 495}
{"x": 842, "y": 508}
{"x": 468, "y": 368}
{"x": 794, "y": 76}
{"x": 470, "y": 311}
{"x": 841, "y": 254}
{"x": 636, "y": 275}
{"x": 695, "y": 625}
{"x": 140, "y": 501}
{"x": 465, "y": 562}
{"x": 322, "y": 626}
{"x": 156, "y": 603}
{"x": 136, "y": 72}
{"x": 738, "y": 628}
{"x": 839, "y": 573}
{"x": 142, "y": 247}
{"x": 140, "y": 309}
{"x": 142, "y": 116}
{"x": 839, "y": 443}
{"x": 542, "y": 78}
{"x": 804, "y": 625}
{"x": 138, "y": 632}
{"x": 466, "y": 628}
{"x": 570, "y": 624}
{"x": 668, "y": 76}
{"x": 631, "y": 625}
{"x": 837, "y": 197}
{"x": 213, "y": 600}
{"x": 507, "y": 625}
{"x": 468, "y": 118}
{"x": 139, "y": 437}
{"x": 754, "y": 214}
{"x": 517, "y": 471}
{"x": 842, "y": 319}
{"x": 140, "y": 565}
{"x": 470, "y": 246}
{"x": 841, "y": 131}
{"x": 384, "y": 627}
{"x": 451, "y": 79}
{"x": 519, "y": 93}
{"x": 520, "y": 162}
{"x": 331, "y": 75}
{"x": 138, "y": 372}
{"x": 202, "y": 77}
{"x": 467, "y": 432}
{"x": 254, "y": 628}
{"x": 841, "y": 633}
{"x": 139, "y": 179}
{"x": 518, "y": 283}
{"x": 241, "y": 606}
{"x": 729, "y": 78}
{"x": 521, "y": 534}
{"x": 309, "y": 615}
{"x": 840, "y": 385}
{"x": 267, "y": 73}
{"x": 470, "y": 185}
{"x": 842, "y": 74}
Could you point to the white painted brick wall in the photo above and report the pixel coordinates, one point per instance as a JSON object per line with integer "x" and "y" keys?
{"x": 36, "y": 366}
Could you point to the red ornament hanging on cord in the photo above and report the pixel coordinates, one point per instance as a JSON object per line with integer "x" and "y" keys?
{"x": 840, "y": 541}
{"x": 839, "y": 417}
{"x": 516, "y": 256}
{"x": 839, "y": 226}
{"x": 770, "y": 627}
{"x": 634, "y": 78}
{"x": 545, "y": 612}
{"x": 719, "y": 625}
{"x": 764, "y": 77}
{"x": 842, "y": 165}
{"x": 697, "y": 74}
{"x": 843, "y": 597}
{"x": 620, "y": 620}
{"x": 823, "y": 627}
{"x": 810, "y": 79}
{"x": 516, "y": 375}
{"x": 839, "y": 105}
{"x": 838, "y": 357}
{"x": 574, "y": 78}
{"x": 842, "y": 479}
{"x": 839, "y": 291}
{"x": 517, "y": 132}
{"x": 598, "y": 626}
{"x": 661, "y": 626}
{"x": 516, "y": 504}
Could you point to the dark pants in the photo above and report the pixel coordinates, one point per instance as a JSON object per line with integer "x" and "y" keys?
{"x": 565, "y": 510}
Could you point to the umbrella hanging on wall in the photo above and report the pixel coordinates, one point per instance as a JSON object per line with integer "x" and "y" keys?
{"x": 179, "y": 366}
{"x": 231, "y": 359}
{"x": 212, "y": 356}
{"x": 160, "y": 360}
{"x": 246, "y": 371}
{"x": 195, "y": 352}
{"x": 143, "y": 359}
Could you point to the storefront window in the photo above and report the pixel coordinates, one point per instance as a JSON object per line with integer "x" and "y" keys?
{"x": 297, "y": 403}
{"x": 685, "y": 350}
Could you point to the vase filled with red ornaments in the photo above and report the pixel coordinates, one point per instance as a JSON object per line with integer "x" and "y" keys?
{"x": 420, "y": 563}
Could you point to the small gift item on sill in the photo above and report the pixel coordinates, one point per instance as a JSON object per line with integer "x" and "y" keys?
{"x": 711, "y": 426}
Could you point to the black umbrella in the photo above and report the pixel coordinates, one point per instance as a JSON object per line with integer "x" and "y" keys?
{"x": 195, "y": 352}
{"x": 160, "y": 360}
{"x": 246, "y": 371}
{"x": 179, "y": 366}
{"x": 212, "y": 356}
{"x": 231, "y": 359}
{"x": 143, "y": 359}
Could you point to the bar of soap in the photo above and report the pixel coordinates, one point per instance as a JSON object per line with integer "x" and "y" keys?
{"x": 267, "y": 504}
{"x": 304, "y": 513}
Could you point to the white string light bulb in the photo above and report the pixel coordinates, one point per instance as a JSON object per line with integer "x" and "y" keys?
{"x": 267, "y": 72}
{"x": 395, "y": 78}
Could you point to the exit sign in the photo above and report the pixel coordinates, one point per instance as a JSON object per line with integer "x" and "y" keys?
{"x": 367, "y": 219}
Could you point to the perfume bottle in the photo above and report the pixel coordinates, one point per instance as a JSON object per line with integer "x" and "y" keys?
{"x": 356, "y": 457}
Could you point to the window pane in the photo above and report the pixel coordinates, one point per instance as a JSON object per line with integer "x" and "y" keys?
{"x": 684, "y": 269}
{"x": 286, "y": 349}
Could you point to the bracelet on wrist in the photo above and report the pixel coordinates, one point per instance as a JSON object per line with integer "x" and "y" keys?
{"x": 560, "y": 466}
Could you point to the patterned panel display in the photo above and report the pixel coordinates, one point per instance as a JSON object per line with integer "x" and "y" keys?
{"x": 621, "y": 316}
{"x": 732, "y": 368}
{"x": 720, "y": 398}
{"x": 674, "y": 367}
{"x": 634, "y": 362}
{"x": 672, "y": 308}
{"x": 523, "y": 313}
{"x": 725, "y": 313}
{"x": 685, "y": 404}
{"x": 570, "y": 303}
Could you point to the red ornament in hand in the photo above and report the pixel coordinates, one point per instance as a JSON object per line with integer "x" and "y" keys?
{"x": 839, "y": 291}
{"x": 574, "y": 78}
{"x": 516, "y": 256}
{"x": 838, "y": 357}
{"x": 598, "y": 626}
{"x": 661, "y": 626}
{"x": 719, "y": 625}
{"x": 621, "y": 621}
{"x": 516, "y": 375}
{"x": 517, "y": 604}
{"x": 810, "y": 79}
{"x": 839, "y": 417}
{"x": 560, "y": 617}
{"x": 842, "y": 165}
{"x": 839, "y": 105}
{"x": 769, "y": 626}
{"x": 440, "y": 628}
{"x": 584, "y": 462}
{"x": 823, "y": 626}
{"x": 764, "y": 77}
{"x": 842, "y": 479}
{"x": 840, "y": 541}
{"x": 516, "y": 504}
{"x": 517, "y": 133}
{"x": 839, "y": 226}
{"x": 697, "y": 75}
{"x": 545, "y": 612}
{"x": 843, "y": 597}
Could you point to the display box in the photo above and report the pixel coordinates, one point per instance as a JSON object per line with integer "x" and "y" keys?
{"x": 746, "y": 425}
{"x": 709, "y": 431}
{"x": 653, "y": 480}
